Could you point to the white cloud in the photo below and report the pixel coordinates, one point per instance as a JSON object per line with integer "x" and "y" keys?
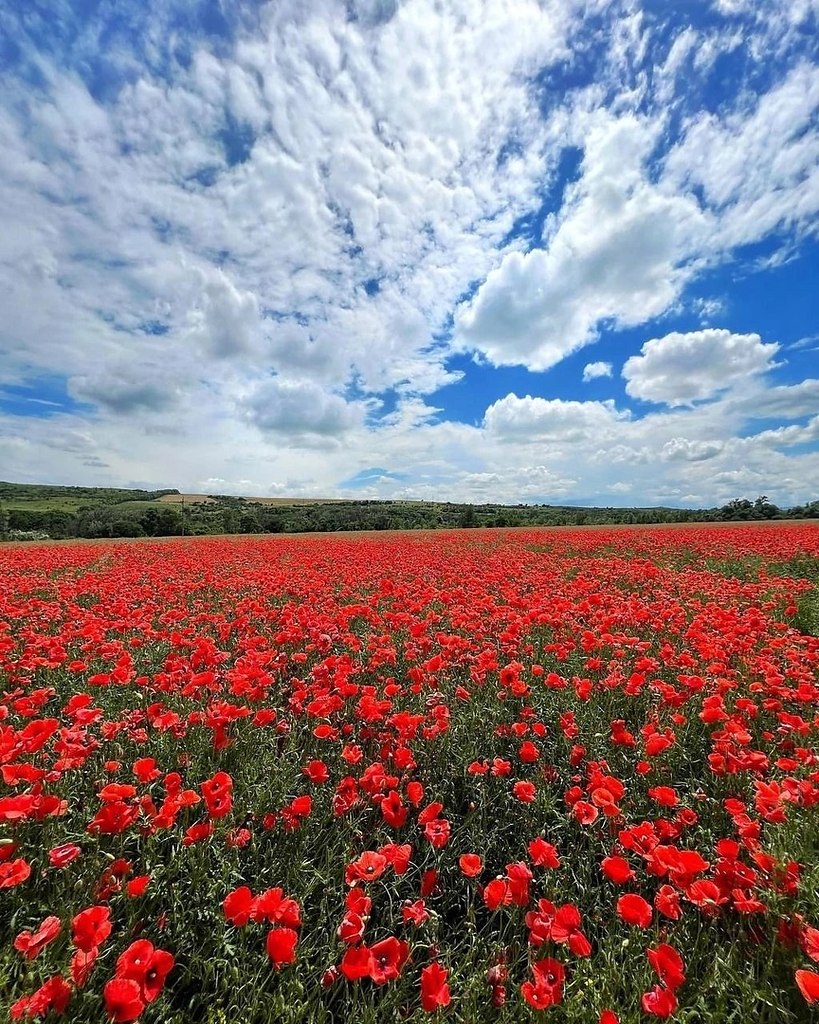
{"x": 591, "y": 371}
{"x": 681, "y": 449}
{"x": 535, "y": 419}
{"x": 297, "y": 408}
{"x": 217, "y": 253}
{"x": 618, "y": 251}
{"x": 680, "y": 369}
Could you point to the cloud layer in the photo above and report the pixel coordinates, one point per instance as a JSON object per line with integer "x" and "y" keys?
{"x": 276, "y": 245}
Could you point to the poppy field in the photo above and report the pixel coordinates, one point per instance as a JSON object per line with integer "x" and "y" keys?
{"x": 468, "y": 776}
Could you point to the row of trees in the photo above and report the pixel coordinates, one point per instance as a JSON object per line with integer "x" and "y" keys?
{"x": 236, "y": 515}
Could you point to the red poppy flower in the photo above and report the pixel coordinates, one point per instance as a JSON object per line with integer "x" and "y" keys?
{"x": 91, "y": 927}
{"x": 664, "y": 795}
{"x": 415, "y": 913}
{"x": 438, "y": 832}
{"x": 316, "y": 771}
{"x": 32, "y": 943}
{"x": 808, "y": 984}
{"x": 543, "y": 854}
{"x": 667, "y": 901}
{"x": 429, "y": 882}
{"x": 148, "y": 966}
{"x": 281, "y": 946}
{"x": 138, "y": 886}
{"x": 61, "y": 856}
{"x": 566, "y": 928}
{"x": 272, "y": 905}
{"x": 584, "y": 812}
{"x": 82, "y": 963}
{"x": 434, "y": 988}
{"x": 617, "y": 869}
{"x": 357, "y": 963}
{"x": 546, "y": 988}
{"x": 388, "y": 957}
{"x": 369, "y": 867}
{"x": 470, "y": 864}
{"x": 237, "y": 906}
{"x": 668, "y": 965}
{"x": 398, "y": 856}
{"x": 524, "y": 791}
{"x": 634, "y": 910}
{"x": 53, "y": 994}
{"x": 659, "y": 1002}
{"x": 809, "y": 940}
{"x": 14, "y": 873}
{"x": 123, "y": 1000}
{"x": 351, "y": 929}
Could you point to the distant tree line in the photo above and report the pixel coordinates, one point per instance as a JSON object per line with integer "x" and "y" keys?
{"x": 227, "y": 514}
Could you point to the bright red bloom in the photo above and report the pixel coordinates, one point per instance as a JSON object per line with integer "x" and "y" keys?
{"x": 429, "y": 882}
{"x": 138, "y": 886}
{"x": 543, "y": 854}
{"x": 634, "y": 910}
{"x": 369, "y": 867}
{"x": 351, "y": 929}
{"x": 470, "y": 864}
{"x": 357, "y": 963}
{"x": 316, "y": 771}
{"x": 14, "y": 873}
{"x": 617, "y": 870}
{"x": 584, "y": 812}
{"x": 388, "y": 956}
{"x": 91, "y": 927}
{"x": 237, "y": 906}
{"x": 667, "y": 901}
{"x": 809, "y": 940}
{"x": 668, "y": 965}
{"x": 546, "y": 988}
{"x": 808, "y": 984}
{"x": 61, "y": 856}
{"x": 398, "y": 856}
{"x": 148, "y": 966}
{"x": 525, "y": 792}
{"x": 415, "y": 913}
{"x": 32, "y": 943}
{"x": 272, "y": 905}
{"x": 281, "y": 946}
{"x": 82, "y": 963}
{"x": 566, "y": 928}
{"x": 438, "y": 832}
{"x": 497, "y": 893}
{"x": 434, "y": 988}
{"x": 664, "y": 795}
{"x": 54, "y": 995}
{"x": 659, "y": 1002}
{"x": 123, "y": 1000}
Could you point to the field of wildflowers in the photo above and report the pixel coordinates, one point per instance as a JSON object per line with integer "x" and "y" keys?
{"x": 469, "y": 776}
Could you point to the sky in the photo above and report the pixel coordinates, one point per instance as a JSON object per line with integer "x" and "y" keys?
{"x": 540, "y": 251}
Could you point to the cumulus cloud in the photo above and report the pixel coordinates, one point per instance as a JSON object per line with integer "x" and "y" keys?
{"x": 680, "y": 369}
{"x": 534, "y": 419}
{"x": 619, "y": 251}
{"x": 298, "y": 407}
{"x": 225, "y": 318}
{"x": 262, "y": 254}
{"x": 591, "y": 371}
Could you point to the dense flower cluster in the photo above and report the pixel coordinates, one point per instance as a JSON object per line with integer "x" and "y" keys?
{"x": 393, "y": 775}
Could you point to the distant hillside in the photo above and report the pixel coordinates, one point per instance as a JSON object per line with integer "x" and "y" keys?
{"x": 66, "y": 512}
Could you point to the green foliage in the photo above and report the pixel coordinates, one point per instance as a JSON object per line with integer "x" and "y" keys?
{"x": 65, "y": 512}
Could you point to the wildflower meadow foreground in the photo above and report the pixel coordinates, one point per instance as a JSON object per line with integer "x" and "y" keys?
{"x": 477, "y": 776}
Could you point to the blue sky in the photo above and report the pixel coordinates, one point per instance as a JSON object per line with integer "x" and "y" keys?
{"x": 521, "y": 250}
